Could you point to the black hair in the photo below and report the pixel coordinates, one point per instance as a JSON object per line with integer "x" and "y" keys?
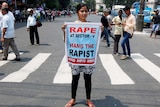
{"x": 80, "y": 5}
{"x": 121, "y": 11}
{"x": 126, "y": 8}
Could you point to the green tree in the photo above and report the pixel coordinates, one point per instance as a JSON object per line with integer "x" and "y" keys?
{"x": 64, "y": 4}
{"x": 109, "y": 3}
{"x": 91, "y": 4}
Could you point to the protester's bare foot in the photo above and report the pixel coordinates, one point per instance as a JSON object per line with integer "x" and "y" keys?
{"x": 70, "y": 103}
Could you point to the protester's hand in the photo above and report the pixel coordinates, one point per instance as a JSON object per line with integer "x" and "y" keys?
{"x": 27, "y": 29}
{"x": 124, "y": 24}
{"x": 2, "y": 39}
{"x": 63, "y": 27}
{"x": 102, "y": 28}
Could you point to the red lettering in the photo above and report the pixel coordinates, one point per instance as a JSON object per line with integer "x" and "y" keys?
{"x": 86, "y": 29}
{"x": 79, "y": 29}
{"x": 93, "y": 30}
{"x": 72, "y": 29}
{"x": 82, "y": 30}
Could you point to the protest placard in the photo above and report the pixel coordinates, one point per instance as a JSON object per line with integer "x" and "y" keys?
{"x": 82, "y": 42}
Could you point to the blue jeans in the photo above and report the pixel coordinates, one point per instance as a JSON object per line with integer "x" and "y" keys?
{"x": 105, "y": 33}
{"x": 125, "y": 43}
{"x": 1, "y": 48}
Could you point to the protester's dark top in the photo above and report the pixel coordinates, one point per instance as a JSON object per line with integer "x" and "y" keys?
{"x": 156, "y": 19}
{"x": 104, "y": 21}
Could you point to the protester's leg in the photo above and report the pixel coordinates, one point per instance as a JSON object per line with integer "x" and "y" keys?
{"x": 128, "y": 46}
{"x": 88, "y": 85}
{"x": 5, "y": 45}
{"x": 74, "y": 86}
{"x": 14, "y": 48}
{"x": 1, "y": 48}
{"x": 75, "y": 79}
{"x": 123, "y": 44}
{"x": 116, "y": 43}
{"x": 36, "y": 35}
{"x": 31, "y": 33}
{"x": 107, "y": 36}
{"x": 156, "y": 30}
{"x": 153, "y": 29}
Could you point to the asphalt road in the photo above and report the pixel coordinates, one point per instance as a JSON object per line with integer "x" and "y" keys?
{"x": 116, "y": 83}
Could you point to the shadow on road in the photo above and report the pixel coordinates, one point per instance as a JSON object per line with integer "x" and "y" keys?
{"x": 109, "y": 101}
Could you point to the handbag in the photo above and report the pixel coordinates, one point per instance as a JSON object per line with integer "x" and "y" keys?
{"x": 39, "y": 24}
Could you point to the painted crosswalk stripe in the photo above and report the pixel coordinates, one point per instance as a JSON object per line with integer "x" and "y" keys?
{"x": 30, "y": 67}
{"x": 11, "y": 56}
{"x": 116, "y": 74}
{"x": 157, "y": 54}
{"x": 63, "y": 74}
{"x": 147, "y": 65}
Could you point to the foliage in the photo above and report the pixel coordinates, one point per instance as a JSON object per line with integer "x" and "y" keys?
{"x": 58, "y": 4}
{"x": 109, "y": 3}
{"x": 91, "y": 4}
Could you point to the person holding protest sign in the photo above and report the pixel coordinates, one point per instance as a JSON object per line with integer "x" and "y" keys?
{"x": 82, "y": 12}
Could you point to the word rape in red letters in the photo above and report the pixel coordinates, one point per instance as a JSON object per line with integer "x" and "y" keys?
{"x": 82, "y": 30}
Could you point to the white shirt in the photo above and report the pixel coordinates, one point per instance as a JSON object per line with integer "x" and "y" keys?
{"x": 31, "y": 21}
{"x": 130, "y": 24}
{"x": 8, "y": 23}
{"x": 11, "y": 15}
{"x": 118, "y": 27}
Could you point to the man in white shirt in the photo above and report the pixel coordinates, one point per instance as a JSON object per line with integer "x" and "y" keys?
{"x": 1, "y": 16}
{"x": 8, "y": 35}
{"x": 5, "y": 5}
{"x": 129, "y": 26}
{"x": 32, "y": 28}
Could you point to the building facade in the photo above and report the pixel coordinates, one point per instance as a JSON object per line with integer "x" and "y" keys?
{"x": 151, "y": 3}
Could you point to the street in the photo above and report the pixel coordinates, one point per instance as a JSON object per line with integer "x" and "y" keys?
{"x": 42, "y": 78}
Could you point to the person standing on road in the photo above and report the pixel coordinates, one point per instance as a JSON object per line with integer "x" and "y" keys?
{"x": 32, "y": 27}
{"x": 118, "y": 31}
{"x": 105, "y": 23}
{"x": 156, "y": 25}
{"x": 129, "y": 26}
{"x": 5, "y": 5}
{"x": 1, "y": 16}
{"x": 82, "y": 12}
{"x": 8, "y": 35}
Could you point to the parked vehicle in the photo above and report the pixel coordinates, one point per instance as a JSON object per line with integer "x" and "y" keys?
{"x": 148, "y": 18}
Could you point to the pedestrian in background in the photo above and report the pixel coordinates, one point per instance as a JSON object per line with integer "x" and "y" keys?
{"x": 8, "y": 35}
{"x": 4, "y": 5}
{"x": 156, "y": 23}
{"x": 82, "y": 12}
{"x": 105, "y": 23}
{"x": 118, "y": 31}
{"x": 32, "y": 27}
{"x": 1, "y": 16}
{"x": 129, "y": 26}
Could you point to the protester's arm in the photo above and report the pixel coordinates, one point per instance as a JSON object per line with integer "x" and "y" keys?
{"x": 3, "y": 33}
{"x": 63, "y": 29}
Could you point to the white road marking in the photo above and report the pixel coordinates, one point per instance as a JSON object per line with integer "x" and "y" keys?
{"x": 11, "y": 56}
{"x": 157, "y": 54}
{"x": 63, "y": 74}
{"x": 147, "y": 65}
{"x": 29, "y": 68}
{"x": 116, "y": 74}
